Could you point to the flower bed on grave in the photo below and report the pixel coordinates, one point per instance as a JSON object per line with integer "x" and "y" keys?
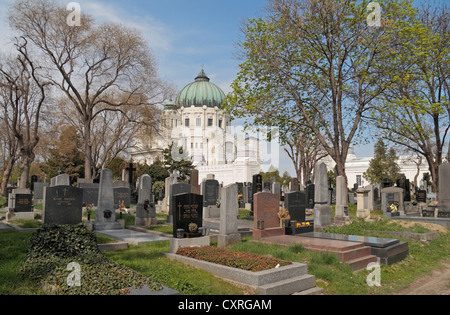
{"x": 226, "y": 257}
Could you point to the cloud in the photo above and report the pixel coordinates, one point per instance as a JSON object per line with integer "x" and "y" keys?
{"x": 158, "y": 34}
{"x": 6, "y": 34}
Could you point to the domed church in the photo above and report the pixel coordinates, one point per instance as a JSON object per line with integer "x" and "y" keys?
{"x": 197, "y": 122}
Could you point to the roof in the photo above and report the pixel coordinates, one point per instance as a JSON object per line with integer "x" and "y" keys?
{"x": 201, "y": 92}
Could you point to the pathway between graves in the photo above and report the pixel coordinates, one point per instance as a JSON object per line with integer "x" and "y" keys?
{"x": 132, "y": 237}
{"x": 4, "y": 227}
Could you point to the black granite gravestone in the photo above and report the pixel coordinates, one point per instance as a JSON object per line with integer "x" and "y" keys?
{"x": 62, "y": 205}
{"x": 295, "y": 203}
{"x": 24, "y": 203}
{"x": 188, "y": 213}
{"x": 210, "y": 191}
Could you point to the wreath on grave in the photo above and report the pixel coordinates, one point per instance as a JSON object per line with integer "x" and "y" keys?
{"x": 193, "y": 227}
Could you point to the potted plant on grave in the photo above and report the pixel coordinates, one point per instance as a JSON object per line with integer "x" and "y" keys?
{"x": 283, "y": 214}
{"x": 394, "y": 209}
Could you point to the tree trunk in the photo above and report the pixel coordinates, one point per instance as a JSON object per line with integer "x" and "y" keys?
{"x": 6, "y": 174}
{"x": 87, "y": 150}
{"x": 24, "y": 176}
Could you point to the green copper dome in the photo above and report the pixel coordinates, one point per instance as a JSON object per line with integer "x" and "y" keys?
{"x": 201, "y": 92}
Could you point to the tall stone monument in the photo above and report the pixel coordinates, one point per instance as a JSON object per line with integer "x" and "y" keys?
{"x": 229, "y": 210}
{"x": 341, "y": 200}
{"x": 322, "y": 211}
{"x": 105, "y": 216}
{"x": 145, "y": 208}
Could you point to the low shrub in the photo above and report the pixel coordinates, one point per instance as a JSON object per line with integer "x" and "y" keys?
{"x": 226, "y": 257}
{"x": 54, "y": 247}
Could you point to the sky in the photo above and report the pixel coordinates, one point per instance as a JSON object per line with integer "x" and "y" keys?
{"x": 183, "y": 35}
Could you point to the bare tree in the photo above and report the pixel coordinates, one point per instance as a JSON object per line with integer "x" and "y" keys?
{"x": 23, "y": 96}
{"x": 98, "y": 68}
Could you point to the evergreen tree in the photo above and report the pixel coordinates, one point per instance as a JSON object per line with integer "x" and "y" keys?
{"x": 383, "y": 165}
{"x": 66, "y": 155}
{"x": 175, "y": 159}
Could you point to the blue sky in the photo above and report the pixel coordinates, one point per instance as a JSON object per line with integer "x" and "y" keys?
{"x": 183, "y": 36}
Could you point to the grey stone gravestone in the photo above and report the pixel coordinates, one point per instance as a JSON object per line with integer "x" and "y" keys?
{"x": 39, "y": 190}
{"x": 90, "y": 193}
{"x": 60, "y": 180}
{"x": 322, "y": 211}
{"x": 444, "y": 190}
{"x": 341, "y": 199}
{"x": 388, "y": 197}
{"x": 145, "y": 210}
{"x": 228, "y": 231}
{"x": 62, "y": 205}
{"x": 105, "y": 216}
{"x": 294, "y": 184}
{"x": 122, "y": 195}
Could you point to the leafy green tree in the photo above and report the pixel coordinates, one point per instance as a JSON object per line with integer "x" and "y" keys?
{"x": 157, "y": 171}
{"x": 316, "y": 64}
{"x": 414, "y": 110}
{"x": 383, "y": 165}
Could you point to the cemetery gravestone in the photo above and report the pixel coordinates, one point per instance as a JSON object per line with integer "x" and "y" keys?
{"x": 257, "y": 186}
{"x": 90, "y": 193}
{"x": 322, "y": 211}
{"x": 266, "y": 221}
{"x": 341, "y": 199}
{"x": 23, "y": 203}
{"x": 122, "y": 195}
{"x": 62, "y": 205}
{"x": 310, "y": 195}
{"x": 39, "y": 190}
{"x": 386, "y": 183}
{"x": 188, "y": 214}
{"x": 294, "y": 184}
{"x": 176, "y": 189}
{"x": 295, "y": 203}
{"x": 210, "y": 192}
{"x": 362, "y": 210}
{"x": 105, "y": 216}
{"x": 145, "y": 209}
{"x": 61, "y": 180}
{"x": 389, "y": 196}
{"x": 421, "y": 196}
{"x": 228, "y": 231}
{"x": 195, "y": 188}
{"x": 444, "y": 190}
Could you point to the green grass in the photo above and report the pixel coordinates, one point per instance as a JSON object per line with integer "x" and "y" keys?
{"x": 13, "y": 250}
{"x": 361, "y": 227}
{"x": 333, "y": 276}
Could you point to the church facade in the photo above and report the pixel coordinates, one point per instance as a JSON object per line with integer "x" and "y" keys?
{"x": 197, "y": 122}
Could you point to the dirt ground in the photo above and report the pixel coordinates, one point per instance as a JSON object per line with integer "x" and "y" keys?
{"x": 436, "y": 283}
{"x": 430, "y": 226}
